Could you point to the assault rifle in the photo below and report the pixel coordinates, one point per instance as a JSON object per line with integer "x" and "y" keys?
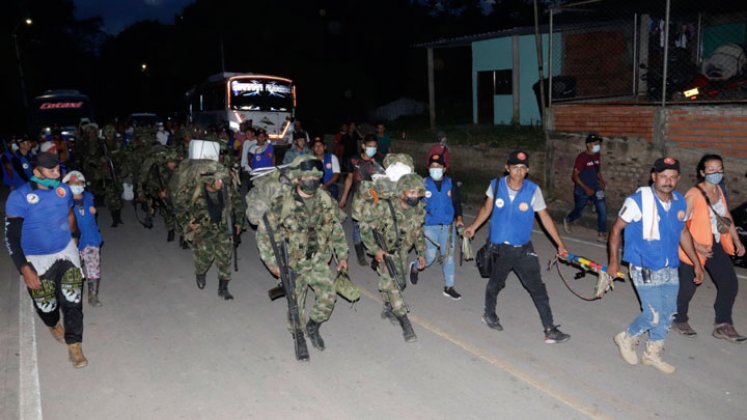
{"x": 288, "y": 278}
{"x": 397, "y": 278}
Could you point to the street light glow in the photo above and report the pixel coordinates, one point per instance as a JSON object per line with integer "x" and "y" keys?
{"x": 29, "y": 22}
{"x": 143, "y": 67}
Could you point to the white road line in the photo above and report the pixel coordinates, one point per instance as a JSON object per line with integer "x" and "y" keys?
{"x": 29, "y": 395}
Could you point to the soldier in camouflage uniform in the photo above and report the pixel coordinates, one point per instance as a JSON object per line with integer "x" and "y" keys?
{"x": 213, "y": 216}
{"x": 96, "y": 162}
{"x": 400, "y": 221}
{"x": 154, "y": 182}
{"x": 309, "y": 221}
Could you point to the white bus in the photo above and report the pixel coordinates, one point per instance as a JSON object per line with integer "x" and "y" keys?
{"x": 232, "y": 98}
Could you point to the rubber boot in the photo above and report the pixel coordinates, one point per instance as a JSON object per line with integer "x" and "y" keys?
{"x": 58, "y": 332}
{"x": 116, "y": 217}
{"x": 407, "y": 332}
{"x": 93, "y": 293}
{"x": 627, "y": 345}
{"x": 170, "y": 236}
{"x": 200, "y": 278}
{"x": 652, "y": 357}
{"x": 386, "y": 313}
{"x": 312, "y": 329}
{"x": 182, "y": 243}
{"x": 361, "y": 253}
{"x": 223, "y": 290}
{"x": 76, "y": 355}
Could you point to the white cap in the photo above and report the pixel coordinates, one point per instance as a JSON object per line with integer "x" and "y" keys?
{"x": 74, "y": 176}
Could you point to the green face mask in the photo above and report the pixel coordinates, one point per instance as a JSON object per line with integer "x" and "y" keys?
{"x": 46, "y": 182}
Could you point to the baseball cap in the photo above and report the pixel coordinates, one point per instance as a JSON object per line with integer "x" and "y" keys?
{"x": 518, "y": 157}
{"x": 662, "y": 164}
{"x": 592, "y": 137}
{"x": 436, "y": 158}
{"x": 46, "y": 160}
{"x": 74, "y": 176}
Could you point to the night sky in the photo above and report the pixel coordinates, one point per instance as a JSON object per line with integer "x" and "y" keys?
{"x": 117, "y": 14}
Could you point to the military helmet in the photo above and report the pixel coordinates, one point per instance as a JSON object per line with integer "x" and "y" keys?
{"x": 213, "y": 172}
{"x": 170, "y": 154}
{"x": 411, "y": 182}
{"x": 307, "y": 165}
{"x": 109, "y": 131}
{"x": 404, "y": 158}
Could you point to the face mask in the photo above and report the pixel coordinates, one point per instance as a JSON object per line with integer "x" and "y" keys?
{"x": 370, "y": 151}
{"x": 412, "y": 201}
{"x": 436, "y": 173}
{"x": 309, "y": 186}
{"x": 77, "y": 189}
{"x": 46, "y": 182}
{"x": 714, "y": 178}
{"x": 596, "y": 148}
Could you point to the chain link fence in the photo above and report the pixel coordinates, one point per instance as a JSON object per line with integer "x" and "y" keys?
{"x": 662, "y": 51}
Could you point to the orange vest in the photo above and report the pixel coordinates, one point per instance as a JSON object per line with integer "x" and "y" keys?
{"x": 699, "y": 225}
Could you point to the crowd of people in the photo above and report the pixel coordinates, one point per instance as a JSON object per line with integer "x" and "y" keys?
{"x": 204, "y": 185}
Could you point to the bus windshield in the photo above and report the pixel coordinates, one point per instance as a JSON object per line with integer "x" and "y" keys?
{"x": 258, "y": 94}
{"x": 59, "y": 111}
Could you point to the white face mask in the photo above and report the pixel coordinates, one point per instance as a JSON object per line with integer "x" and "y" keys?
{"x": 77, "y": 189}
{"x": 596, "y": 148}
{"x": 436, "y": 173}
{"x": 370, "y": 151}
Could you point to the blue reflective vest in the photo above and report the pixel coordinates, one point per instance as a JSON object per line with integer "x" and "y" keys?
{"x": 328, "y": 173}
{"x": 439, "y": 209}
{"x": 656, "y": 255}
{"x": 18, "y": 180}
{"x": 512, "y": 221}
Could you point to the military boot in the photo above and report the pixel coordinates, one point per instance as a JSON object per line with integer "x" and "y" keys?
{"x": 627, "y": 345}
{"x": 312, "y": 329}
{"x": 76, "y": 355}
{"x": 407, "y": 332}
{"x": 116, "y": 217}
{"x": 93, "y": 293}
{"x": 386, "y": 313}
{"x": 200, "y": 278}
{"x": 170, "y": 236}
{"x": 361, "y": 253}
{"x": 652, "y": 357}
{"x": 223, "y": 290}
{"x": 58, "y": 332}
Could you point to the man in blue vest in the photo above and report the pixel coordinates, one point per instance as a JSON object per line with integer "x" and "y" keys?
{"x": 21, "y": 163}
{"x": 331, "y": 167}
{"x": 39, "y": 228}
{"x": 443, "y": 216}
{"x": 511, "y": 204}
{"x": 654, "y": 222}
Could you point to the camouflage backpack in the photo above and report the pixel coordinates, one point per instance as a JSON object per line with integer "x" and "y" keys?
{"x": 382, "y": 186}
{"x": 264, "y": 191}
{"x": 187, "y": 181}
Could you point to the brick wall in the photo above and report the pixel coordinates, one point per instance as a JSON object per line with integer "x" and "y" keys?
{"x": 608, "y": 120}
{"x": 687, "y": 133}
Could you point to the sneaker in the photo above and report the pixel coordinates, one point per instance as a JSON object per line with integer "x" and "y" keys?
{"x": 566, "y": 225}
{"x": 449, "y": 292}
{"x": 413, "y": 274}
{"x": 684, "y": 329}
{"x": 602, "y": 237}
{"x": 491, "y": 320}
{"x": 727, "y": 332}
{"x": 554, "y": 335}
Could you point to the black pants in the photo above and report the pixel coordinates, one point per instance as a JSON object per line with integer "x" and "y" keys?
{"x": 525, "y": 263}
{"x": 62, "y": 290}
{"x": 721, "y": 270}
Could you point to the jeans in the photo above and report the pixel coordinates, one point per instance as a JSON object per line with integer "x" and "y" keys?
{"x": 722, "y": 273}
{"x": 440, "y": 235}
{"x": 524, "y": 261}
{"x": 356, "y": 233}
{"x": 658, "y": 301}
{"x": 581, "y": 199}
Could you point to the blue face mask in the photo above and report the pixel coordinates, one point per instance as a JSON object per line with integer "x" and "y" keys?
{"x": 714, "y": 178}
{"x": 371, "y": 151}
{"x": 77, "y": 189}
{"x": 436, "y": 173}
{"x": 46, "y": 182}
{"x": 596, "y": 148}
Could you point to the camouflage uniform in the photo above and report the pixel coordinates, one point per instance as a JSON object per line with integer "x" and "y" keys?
{"x": 95, "y": 163}
{"x": 212, "y": 240}
{"x": 155, "y": 179}
{"x": 400, "y": 236}
{"x": 312, "y": 229}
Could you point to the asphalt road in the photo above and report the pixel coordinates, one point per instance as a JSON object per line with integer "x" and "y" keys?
{"x": 160, "y": 348}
